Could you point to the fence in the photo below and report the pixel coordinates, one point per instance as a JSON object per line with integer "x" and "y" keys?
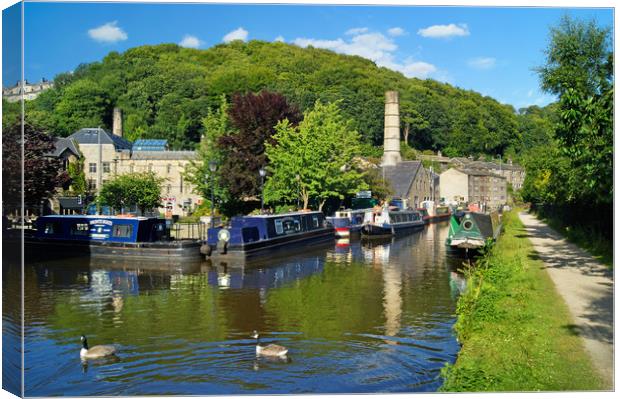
{"x": 189, "y": 231}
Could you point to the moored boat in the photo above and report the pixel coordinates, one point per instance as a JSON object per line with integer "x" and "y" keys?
{"x": 436, "y": 213}
{"x": 99, "y": 235}
{"x": 390, "y": 220}
{"x": 252, "y": 235}
{"x": 348, "y": 222}
{"x": 473, "y": 230}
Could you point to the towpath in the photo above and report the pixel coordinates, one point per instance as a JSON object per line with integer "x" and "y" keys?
{"x": 587, "y": 287}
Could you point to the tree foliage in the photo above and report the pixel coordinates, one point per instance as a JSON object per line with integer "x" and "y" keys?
{"x": 42, "y": 174}
{"x": 579, "y": 69}
{"x": 140, "y": 189}
{"x": 314, "y": 159}
{"x": 165, "y": 91}
{"x": 254, "y": 117}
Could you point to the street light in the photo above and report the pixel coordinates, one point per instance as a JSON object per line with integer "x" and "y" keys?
{"x": 212, "y": 168}
{"x": 262, "y": 172}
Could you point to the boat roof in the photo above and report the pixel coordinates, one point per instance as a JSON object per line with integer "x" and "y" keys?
{"x": 284, "y": 214}
{"x": 98, "y": 217}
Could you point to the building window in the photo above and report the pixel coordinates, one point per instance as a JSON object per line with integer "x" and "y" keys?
{"x": 168, "y": 168}
{"x": 106, "y": 167}
{"x": 168, "y": 188}
{"x": 92, "y": 184}
{"x": 181, "y": 184}
{"x": 92, "y": 167}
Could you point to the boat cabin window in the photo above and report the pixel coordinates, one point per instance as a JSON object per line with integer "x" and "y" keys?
{"x": 51, "y": 228}
{"x": 122, "y": 230}
{"x": 287, "y": 226}
{"x": 315, "y": 221}
{"x": 80, "y": 229}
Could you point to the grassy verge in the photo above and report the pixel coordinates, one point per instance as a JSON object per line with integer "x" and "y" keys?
{"x": 586, "y": 238}
{"x": 514, "y": 327}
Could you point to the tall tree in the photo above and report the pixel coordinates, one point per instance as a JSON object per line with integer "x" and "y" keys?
{"x": 579, "y": 68}
{"x": 314, "y": 159}
{"x": 42, "y": 173}
{"x": 216, "y": 125}
{"x": 254, "y": 116}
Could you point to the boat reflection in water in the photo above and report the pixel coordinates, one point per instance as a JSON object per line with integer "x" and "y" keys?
{"x": 358, "y": 316}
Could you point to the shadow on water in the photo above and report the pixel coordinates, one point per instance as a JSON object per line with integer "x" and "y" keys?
{"x": 357, "y": 317}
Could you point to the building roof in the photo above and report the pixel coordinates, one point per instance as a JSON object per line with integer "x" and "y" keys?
{"x": 150, "y": 145}
{"x": 401, "y": 176}
{"x": 91, "y": 136}
{"x": 62, "y": 144}
{"x": 479, "y": 172}
{"x": 163, "y": 155}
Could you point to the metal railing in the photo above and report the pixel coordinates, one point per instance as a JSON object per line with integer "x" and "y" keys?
{"x": 189, "y": 231}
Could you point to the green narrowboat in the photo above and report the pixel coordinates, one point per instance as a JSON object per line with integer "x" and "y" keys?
{"x": 473, "y": 229}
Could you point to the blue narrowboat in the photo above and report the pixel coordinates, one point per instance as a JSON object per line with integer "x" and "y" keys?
{"x": 250, "y": 235}
{"x": 99, "y": 235}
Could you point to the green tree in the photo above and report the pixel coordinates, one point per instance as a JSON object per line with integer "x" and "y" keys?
{"x": 140, "y": 189}
{"x": 83, "y": 104}
{"x": 314, "y": 159}
{"x": 216, "y": 125}
{"x": 579, "y": 69}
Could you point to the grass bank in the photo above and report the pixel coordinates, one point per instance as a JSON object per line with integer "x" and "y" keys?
{"x": 514, "y": 326}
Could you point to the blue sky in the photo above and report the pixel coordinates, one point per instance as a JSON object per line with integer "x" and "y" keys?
{"x": 488, "y": 50}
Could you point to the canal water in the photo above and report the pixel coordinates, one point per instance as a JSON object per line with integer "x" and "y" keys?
{"x": 357, "y": 317}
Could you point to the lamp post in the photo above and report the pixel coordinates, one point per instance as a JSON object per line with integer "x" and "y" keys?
{"x": 298, "y": 179}
{"x": 262, "y": 172}
{"x": 212, "y": 169}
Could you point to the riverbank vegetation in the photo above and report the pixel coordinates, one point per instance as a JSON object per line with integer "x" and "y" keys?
{"x": 514, "y": 328}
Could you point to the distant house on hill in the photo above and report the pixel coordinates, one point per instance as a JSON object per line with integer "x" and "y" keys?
{"x": 30, "y": 90}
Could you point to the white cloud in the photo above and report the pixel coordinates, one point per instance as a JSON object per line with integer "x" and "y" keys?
{"x": 396, "y": 31}
{"x": 356, "y": 31}
{"x": 107, "y": 33}
{"x": 190, "y": 41}
{"x": 237, "y": 34}
{"x": 482, "y": 62}
{"x": 279, "y": 39}
{"x": 444, "y": 31}
{"x": 376, "y": 47}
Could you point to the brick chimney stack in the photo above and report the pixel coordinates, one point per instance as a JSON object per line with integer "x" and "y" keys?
{"x": 391, "y": 130}
{"x": 117, "y": 122}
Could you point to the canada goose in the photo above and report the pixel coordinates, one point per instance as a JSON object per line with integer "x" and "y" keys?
{"x": 270, "y": 350}
{"x": 96, "y": 351}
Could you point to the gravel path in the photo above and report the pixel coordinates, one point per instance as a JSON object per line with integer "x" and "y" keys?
{"x": 587, "y": 287}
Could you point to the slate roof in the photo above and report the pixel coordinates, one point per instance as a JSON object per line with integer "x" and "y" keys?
{"x": 163, "y": 155}
{"x": 90, "y": 136}
{"x": 61, "y": 144}
{"x": 401, "y": 176}
{"x": 480, "y": 172}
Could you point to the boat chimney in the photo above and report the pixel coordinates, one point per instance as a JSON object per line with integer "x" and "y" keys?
{"x": 117, "y": 122}
{"x": 391, "y": 131}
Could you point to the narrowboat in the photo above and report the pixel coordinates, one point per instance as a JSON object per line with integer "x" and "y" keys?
{"x": 116, "y": 236}
{"x": 425, "y": 216}
{"x": 388, "y": 221}
{"x": 473, "y": 230}
{"x": 255, "y": 234}
{"x": 435, "y": 213}
{"x": 347, "y": 222}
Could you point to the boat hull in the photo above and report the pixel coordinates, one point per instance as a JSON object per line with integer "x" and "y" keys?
{"x": 373, "y": 230}
{"x": 185, "y": 249}
{"x": 263, "y": 247}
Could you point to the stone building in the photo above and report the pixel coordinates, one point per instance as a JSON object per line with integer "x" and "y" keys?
{"x": 107, "y": 155}
{"x": 473, "y": 186}
{"x": 31, "y": 90}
